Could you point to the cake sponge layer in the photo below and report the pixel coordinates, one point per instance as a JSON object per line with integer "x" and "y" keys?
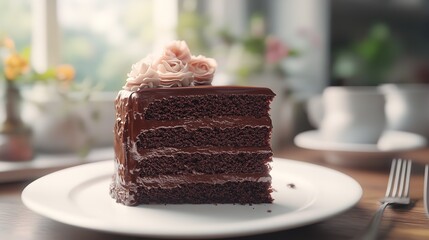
{"x": 185, "y": 107}
{"x": 202, "y": 163}
{"x": 199, "y": 193}
{"x": 225, "y": 137}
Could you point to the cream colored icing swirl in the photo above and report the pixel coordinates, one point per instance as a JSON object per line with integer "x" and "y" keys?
{"x": 174, "y": 73}
{"x": 142, "y": 75}
{"x": 203, "y": 69}
{"x": 175, "y": 67}
{"x": 179, "y": 49}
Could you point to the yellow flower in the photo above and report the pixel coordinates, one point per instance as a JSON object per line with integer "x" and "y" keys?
{"x": 11, "y": 73}
{"x": 8, "y": 43}
{"x": 14, "y": 65}
{"x": 65, "y": 72}
{"x": 15, "y": 60}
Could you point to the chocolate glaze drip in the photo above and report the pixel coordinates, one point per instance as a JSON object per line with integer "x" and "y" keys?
{"x": 130, "y": 122}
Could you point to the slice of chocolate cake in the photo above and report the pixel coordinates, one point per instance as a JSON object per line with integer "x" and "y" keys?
{"x": 190, "y": 143}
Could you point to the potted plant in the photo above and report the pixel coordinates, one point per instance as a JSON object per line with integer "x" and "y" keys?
{"x": 64, "y": 116}
{"x": 15, "y": 135}
{"x": 368, "y": 61}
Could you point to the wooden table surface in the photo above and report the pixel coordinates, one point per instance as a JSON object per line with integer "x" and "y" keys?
{"x": 18, "y": 222}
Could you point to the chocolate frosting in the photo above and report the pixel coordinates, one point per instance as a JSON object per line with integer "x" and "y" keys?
{"x": 159, "y": 93}
{"x": 130, "y": 122}
{"x": 167, "y": 151}
{"x": 172, "y": 181}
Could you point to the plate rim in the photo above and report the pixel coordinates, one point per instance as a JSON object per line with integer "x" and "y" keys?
{"x": 44, "y": 163}
{"x": 55, "y": 215}
{"x": 302, "y": 140}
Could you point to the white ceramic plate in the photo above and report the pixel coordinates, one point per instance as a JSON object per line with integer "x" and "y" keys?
{"x": 80, "y": 196}
{"x": 390, "y": 144}
{"x": 45, "y": 163}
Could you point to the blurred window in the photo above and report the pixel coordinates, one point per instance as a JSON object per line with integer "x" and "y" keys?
{"x": 102, "y": 38}
{"x": 16, "y": 21}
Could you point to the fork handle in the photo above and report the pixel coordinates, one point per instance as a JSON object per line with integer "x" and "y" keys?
{"x": 372, "y": 229}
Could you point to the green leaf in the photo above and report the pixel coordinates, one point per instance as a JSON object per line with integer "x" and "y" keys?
{"x": 26, "y": 53}
{"x": 255, "y": 45}
{"x": 47, "y": 75}
{"x": 293, "y": 53}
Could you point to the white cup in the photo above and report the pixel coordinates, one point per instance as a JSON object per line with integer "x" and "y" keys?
{"x": 406, "y": 107}
{"x": 353, "y": 114}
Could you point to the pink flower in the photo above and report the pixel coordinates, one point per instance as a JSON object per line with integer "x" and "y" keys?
{"x": 176, "y": 67}
{"x": 275, "y": 50}
{"x": 203, "y": 69}
{"x": 142, "y": 75}
{"x": 175, "y": 50}
{"x": 174, "y": 73}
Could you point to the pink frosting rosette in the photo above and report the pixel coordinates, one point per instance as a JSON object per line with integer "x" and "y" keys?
{"x": 176, "y": 67}
{"x": 175, "y": 49}
{"x": 174, "y": 73}
{"x": 142, "y": 75}
{"x": 203, "y": 69}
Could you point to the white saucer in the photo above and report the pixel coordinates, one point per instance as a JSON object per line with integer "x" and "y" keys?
{"x": 44, "y": 163}
{"x": 82, "y": 199}
{"x": 390, "y": 144}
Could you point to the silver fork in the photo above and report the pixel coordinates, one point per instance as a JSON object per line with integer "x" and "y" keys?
{"x": 397, "y": 193}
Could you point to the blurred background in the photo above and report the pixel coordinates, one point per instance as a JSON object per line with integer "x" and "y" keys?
{"x": 297, "y": 47}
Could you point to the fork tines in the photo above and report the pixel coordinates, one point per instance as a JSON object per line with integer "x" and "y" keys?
{"x": 399, "y": 179}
